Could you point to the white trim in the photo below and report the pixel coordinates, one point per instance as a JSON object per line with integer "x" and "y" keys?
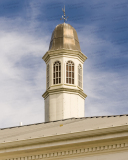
{"x": 77, "y": 151}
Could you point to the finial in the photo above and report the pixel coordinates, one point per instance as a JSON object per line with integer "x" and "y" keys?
{"x": 64, "y": 17}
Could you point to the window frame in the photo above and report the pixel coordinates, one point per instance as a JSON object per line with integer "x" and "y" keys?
{"x": 57, "y": 72}
{"x": 48, "y": 76}
{"x": 70, "y": 72}
{"x": 80, "y": 76}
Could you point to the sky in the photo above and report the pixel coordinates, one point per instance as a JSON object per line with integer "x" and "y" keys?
{"x": 25, "y": 32}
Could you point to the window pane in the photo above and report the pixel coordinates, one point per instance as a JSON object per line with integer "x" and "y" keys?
{"x": 47, "y": 75}
{"x": 66, "y": 74}
{"x": 67, "y": 67}
{"x": 80, "y": 71}
{"x": 80, "y": 76}
{"x": 72, "y": 74}
{"x": 69, "y": 72}
{"x": 72, "y": 81}
{"x": 57, "y": 72}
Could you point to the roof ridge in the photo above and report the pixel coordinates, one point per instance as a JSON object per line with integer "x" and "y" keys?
{"x": 64, "y": 120}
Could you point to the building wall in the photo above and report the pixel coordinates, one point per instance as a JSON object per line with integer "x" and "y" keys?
{"x": 63, "y": 61}
{"x": 63, "y": 105}
{"x": 46, "y": 104}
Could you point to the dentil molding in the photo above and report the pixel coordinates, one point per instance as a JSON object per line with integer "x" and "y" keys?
{"x": 73, "y": 152}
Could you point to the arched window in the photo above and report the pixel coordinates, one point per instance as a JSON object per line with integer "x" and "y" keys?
{"x": 70, "y": 72}
{"x": 80, "y": 76}
{"x": 57, "y": 72}
{"x": 47, "y": 75}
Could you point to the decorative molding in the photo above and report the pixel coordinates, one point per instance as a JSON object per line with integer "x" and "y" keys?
{"x": 71, "y": 85}
{"x": 69, "y": 152}
{"x": 66, "y": 52}
{"x": 59, "y": 90}
{"x": 63, "y": 84}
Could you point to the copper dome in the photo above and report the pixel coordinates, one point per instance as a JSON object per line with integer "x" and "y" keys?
{"x": 64, "y": 36}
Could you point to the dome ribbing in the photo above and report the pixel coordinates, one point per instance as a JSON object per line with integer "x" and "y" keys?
{"x": 64, "y": 36}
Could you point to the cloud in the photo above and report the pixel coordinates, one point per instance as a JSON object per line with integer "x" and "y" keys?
{"x": 105, "y": 82}
{"x": 22, "y": 73}
{"x": 24, "y": 39}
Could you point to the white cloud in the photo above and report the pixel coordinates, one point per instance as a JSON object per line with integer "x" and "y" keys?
{"x": 22, "y": 85}
{"x": 22, "y": 72}
{"x": 106, "y": 87}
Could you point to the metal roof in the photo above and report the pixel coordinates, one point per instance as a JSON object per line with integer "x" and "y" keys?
{"x": 61, "y": 127}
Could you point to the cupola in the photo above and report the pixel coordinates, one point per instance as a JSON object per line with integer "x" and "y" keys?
{"x": 64, "y": 36}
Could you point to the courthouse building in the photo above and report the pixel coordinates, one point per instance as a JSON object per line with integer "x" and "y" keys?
{"x": 66, "y": 133}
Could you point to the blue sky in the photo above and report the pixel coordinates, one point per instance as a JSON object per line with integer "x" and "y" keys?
{"x": 25, "y": 31}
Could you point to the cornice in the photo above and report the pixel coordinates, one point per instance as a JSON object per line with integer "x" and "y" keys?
{"x": 83, "y": 151}
{"x": 61, "y": 90}
{"x": 61, "y": 52}
{"x": 115, "y": 137}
